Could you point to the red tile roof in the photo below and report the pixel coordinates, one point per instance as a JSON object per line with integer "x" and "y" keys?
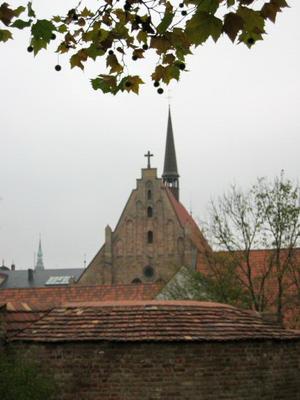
{"x": 16, "y": 321}
{"x": 259, "y": 261}
{"x": 187, "y": 221}
{"x": 40, "y": 299}
{"x": 152, "y": 321}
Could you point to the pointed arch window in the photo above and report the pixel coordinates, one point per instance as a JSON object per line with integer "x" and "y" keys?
{"x": 149, "y": 194}
{"x": 150, "y": 237}
{"x": 149, "y": 212}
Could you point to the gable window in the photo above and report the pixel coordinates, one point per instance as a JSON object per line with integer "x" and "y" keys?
{"x": 150, "y": 237}
{"x": 148, "y": 271}
{"x": 149, "y": 212}
{"x": 136, "y": 281}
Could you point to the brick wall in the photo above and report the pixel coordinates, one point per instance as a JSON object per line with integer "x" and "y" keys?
{"x": 130, "y": 252}
{"x": 257, "y": 370}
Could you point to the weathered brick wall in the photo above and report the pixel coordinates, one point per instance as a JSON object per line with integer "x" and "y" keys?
{"x": 261, "y": 370}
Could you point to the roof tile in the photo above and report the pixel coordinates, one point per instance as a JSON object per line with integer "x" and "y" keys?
{"x": 152, "y": 321}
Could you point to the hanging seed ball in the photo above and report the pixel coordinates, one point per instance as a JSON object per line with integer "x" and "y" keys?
{"x": 57, "y": 67}
{"x": 30, "y": 49}
{"x": 156, "y": 83}
{"x": 160, "y": 91}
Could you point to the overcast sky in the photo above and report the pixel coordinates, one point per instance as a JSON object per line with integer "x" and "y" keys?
{"x": 70, "y": 156}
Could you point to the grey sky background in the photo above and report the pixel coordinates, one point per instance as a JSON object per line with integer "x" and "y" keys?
{"x": 70, "y": 156}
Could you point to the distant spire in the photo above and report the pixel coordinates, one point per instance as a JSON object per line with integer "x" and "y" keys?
{"x": 39, "y": 263}
{"x": 170, "y": 174}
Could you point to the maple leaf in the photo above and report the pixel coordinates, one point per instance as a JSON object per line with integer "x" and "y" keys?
{"x": 77, "y": 59}
{"x": 6, "y": 14}
{"x": 166, "y": 20}
{"x": 106, "y": 83}
{"x": 30, "y": 11}
{"x": 201, "y": 26}
{"x": 20, "y": 24}
{"x": 5, "y": 35}
{"x": 131, "y": 84}
{"x": 161, "y": 44}
{"x": 43, "y": 29}
{"x": 270, "y": 10}
{"x": 232, "y": 25}
{"x": 113, "y": 63}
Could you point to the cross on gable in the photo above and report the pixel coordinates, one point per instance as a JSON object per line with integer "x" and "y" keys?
{"x": 148, "y": 155}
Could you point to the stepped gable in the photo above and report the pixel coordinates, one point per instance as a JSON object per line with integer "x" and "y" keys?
{"x": 40, "y": 299}
{"x": 140, "y": 321}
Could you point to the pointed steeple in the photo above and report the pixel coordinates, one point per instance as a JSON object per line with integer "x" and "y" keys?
{"x": 39, "y": 262}
{"x": 170, "y": 174}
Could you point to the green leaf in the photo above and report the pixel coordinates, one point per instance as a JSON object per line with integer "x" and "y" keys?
{"x": 86, "y": 13}
{"x": 142, "y": 36}
{"x": 253, "y": 21}
{"x": 203, "y": 25}
{"x": 30, "y": 11}
{"x": 113, "y": 63}
{"x": 20, "y": 24}
{"x": 62, "y": 28}
{"x": 5, "y": 35}
{"x": 249, "y": 39}
{"x": 106, "y": 83}
{"x": 166, "y": 20}
{"x": 38, "y": 44}
{"x": 166, "y": 74}
{"x": 210, "y": 6}
{"x": 131, "y": 84}
{"x": 18, "y": 11}
{"x": 93, "y": 51}
{"x": 43, "y": 30}
{"x": 77, "y": 59}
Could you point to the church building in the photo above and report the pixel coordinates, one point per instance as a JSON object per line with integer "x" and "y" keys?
{"x": 155, "y": 235}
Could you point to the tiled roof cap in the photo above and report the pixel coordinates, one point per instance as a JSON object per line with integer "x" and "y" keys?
{"x": 158, "y": 321}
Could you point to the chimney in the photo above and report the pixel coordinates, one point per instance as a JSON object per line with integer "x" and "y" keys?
{"x": 30, "y": 274}
{"x": 13, "y": 267}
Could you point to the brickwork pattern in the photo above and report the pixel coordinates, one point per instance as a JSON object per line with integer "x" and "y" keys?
{"x": 130, "y": 249}
{"x": 245, "y": 370}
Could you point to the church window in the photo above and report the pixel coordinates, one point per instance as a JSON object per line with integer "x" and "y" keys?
{"x": 136, "y": 281}
{"x": 148, "y": 271}
{"x": 149, "y": 212}
{"x": 150, "y": 237}
{"x": 149, "y": 195}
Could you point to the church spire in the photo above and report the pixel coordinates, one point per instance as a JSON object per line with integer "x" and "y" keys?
{"x": 170, "y": 174}
{"x": 39, "y": 263}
